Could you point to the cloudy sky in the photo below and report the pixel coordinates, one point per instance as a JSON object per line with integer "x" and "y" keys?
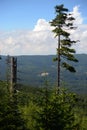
{"x": 25, "y": 29}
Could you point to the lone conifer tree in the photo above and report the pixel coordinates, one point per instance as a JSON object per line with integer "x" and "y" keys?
{"x": 62, "y": 23}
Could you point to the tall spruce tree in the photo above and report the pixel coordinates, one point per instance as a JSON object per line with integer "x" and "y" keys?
{"x": 62, "y": 23}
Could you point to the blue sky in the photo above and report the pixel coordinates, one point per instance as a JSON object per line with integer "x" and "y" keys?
{"x": 25, "y": 28}
{"x": 23, "y": 14}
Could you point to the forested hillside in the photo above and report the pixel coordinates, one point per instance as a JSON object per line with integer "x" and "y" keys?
{"x": 34, "y": 108}
{"x": 31, "y": 70}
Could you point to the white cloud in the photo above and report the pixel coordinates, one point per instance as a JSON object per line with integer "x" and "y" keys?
{"x": 77, "y": 15}
{"x": 80, "y": 33}
{"x": 41, "y": 40}
{"x": 42, "y": 25}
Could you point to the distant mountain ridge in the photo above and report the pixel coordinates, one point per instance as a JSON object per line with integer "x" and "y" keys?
{"x": 31, "y": 71}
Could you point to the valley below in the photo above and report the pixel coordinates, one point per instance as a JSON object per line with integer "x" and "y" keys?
{"x": 35, "y": 69}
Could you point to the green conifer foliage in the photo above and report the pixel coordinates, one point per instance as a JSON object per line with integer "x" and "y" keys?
{"x": 10, "y": 116}
{"x": 62, "y": 23}
{"x": 58, "y": 114}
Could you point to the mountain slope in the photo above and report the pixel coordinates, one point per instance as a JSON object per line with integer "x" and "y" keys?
{"x": 31, "y": 70}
